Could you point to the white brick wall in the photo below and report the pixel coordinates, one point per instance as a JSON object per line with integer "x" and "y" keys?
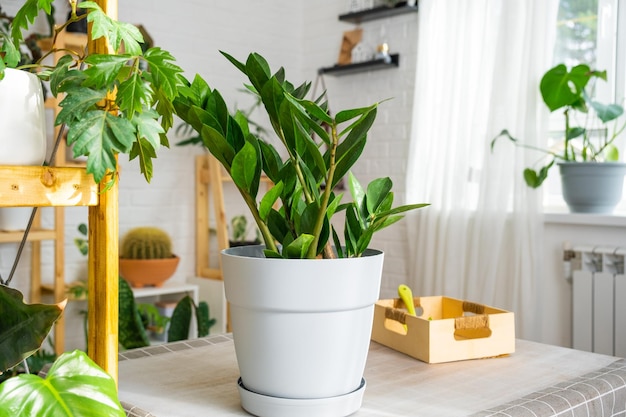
{"x": 299, "y": 35}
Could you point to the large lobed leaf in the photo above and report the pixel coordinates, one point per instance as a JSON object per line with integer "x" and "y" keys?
{"x": 23, "y": 327}
{"x": 74, "y": 387}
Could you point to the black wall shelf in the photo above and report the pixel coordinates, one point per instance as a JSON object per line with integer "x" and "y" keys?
{"x": 379, "y": 12}
{"x": 375, "y": 64}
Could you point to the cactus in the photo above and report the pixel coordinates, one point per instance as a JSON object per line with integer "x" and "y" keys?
{"x": 146, "y": 243}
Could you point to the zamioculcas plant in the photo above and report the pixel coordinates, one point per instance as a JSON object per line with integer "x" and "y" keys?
{"x": 320, "y": 149}
{"x": 112, "y": 104}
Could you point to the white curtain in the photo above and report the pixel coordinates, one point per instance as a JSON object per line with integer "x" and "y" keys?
{"x": 479, "y": 63}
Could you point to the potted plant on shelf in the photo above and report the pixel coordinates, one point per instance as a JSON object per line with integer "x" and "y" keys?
{"x": 143, "y": 114}
{"x": 239, "y": 232}
{"x": 301, "y": 325}
{"x": 146, "y": 257}
{"x": 592, "y": 177}
{"x": 112, "y": 105}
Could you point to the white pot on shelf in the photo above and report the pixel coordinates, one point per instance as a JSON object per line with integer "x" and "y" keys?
{"x": 23, "y": 138}
{"x": 301, "y": 330}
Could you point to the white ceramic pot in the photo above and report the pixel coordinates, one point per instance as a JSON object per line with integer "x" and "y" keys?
{"x": 23, "y": 127}
{"x": 301, "y": 329}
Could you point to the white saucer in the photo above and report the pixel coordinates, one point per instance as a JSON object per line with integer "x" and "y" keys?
{"x": 267, "y": 406}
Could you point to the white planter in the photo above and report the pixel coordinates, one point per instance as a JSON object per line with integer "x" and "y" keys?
{"x": 23, "y": 127}
{"x": 592, "y": 187}
{"x": 301, "y": 329}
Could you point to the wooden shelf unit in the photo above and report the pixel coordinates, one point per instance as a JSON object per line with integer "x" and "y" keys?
{"x": 71, "y": 42}
{"x": 72, "y": 186}
{"x": 210, "y": 180}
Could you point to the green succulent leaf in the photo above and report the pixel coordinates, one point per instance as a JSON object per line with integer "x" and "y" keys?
{"x": 74, "y": 387}
{"x": 23, "y": 327}
{"x": 180, "y": 322}
{"x": 132, "y": 333}
{"x": 203, "y": 319}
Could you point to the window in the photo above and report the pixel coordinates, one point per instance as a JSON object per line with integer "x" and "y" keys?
{"x": 591, "y": 32}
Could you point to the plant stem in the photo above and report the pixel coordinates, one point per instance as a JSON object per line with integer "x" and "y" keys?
{"x": 321, "y": 216}
{"x": 265, "y": 231}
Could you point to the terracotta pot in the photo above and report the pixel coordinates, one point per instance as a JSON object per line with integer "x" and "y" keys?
{"x": 148, "y": 272}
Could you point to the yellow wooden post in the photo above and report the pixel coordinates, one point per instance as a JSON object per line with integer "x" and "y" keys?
{"x": 103, "y": 258}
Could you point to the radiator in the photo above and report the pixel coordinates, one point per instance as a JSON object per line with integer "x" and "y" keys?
{"x": 598, "y": 298}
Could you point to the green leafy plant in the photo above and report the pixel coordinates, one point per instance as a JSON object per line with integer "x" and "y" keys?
{"x": 586, "y": 134}
{"x": 113, "y": 103}
{"x": 239, "y": 231}
{"x": 74, "y": 387}
{"x": 146, "y": 243}
{"x": 320, "y": 149}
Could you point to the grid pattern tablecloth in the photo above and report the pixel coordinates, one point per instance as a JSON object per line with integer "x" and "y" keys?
{"x": 198, "y": 377}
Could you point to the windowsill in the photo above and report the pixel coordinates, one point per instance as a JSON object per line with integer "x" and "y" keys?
{"x": 560, "y": 215}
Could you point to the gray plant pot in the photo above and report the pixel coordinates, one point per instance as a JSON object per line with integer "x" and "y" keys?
{"x": 592, "y": 187}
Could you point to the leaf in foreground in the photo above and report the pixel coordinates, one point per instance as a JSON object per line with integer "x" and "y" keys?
{"x": 74, "y": 387}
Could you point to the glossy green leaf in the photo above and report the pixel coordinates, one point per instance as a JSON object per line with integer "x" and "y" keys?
{"x": 358, "y": 196}
{"x": 346, "y": 115}
{"x": 218, "y": 146}
{"x": 311, "y": 108}
{"x": 240, "y": 65}
{"x": 74, "y": 387}
{"x": 561, "y": 87}
{"x": 344, "y": 165}
{"x": 377, "y": 192}
{"x": 245, "y": 169}
{"x": 279, "y": 228}
{"x": 269, "y": 199}
{"x": 23, "y": 327}
{"x": 299, "y": 247}
{"x": 272, "y": 162}
{"x": 258, "y": 70}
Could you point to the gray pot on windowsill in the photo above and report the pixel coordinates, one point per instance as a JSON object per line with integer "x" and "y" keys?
{"x": 592, "y": 187}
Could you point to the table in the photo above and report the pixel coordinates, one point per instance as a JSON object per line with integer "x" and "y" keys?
{"x": 198, "y": 377}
